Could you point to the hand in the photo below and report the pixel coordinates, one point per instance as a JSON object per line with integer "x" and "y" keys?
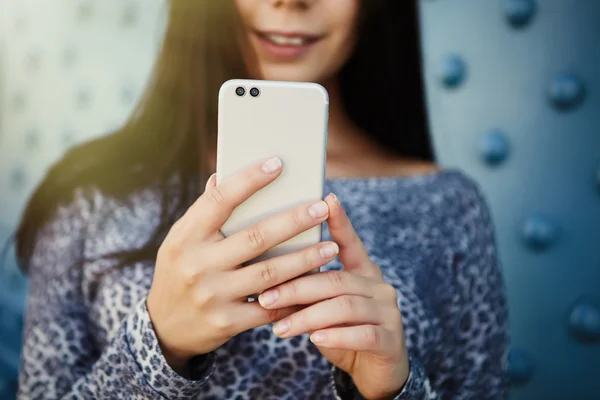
{"x": 353, "y": 314}
{"x": 198, "y": 298}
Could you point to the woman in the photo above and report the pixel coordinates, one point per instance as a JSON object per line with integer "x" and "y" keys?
{"x": 135, "y": 294}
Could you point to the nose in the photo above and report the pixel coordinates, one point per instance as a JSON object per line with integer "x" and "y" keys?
{"x": 299, "y": 4}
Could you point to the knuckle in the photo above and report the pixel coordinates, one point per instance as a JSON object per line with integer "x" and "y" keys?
{"x": 274, "y": 315}
{"x": 255, "y": 177}
{"x": 222, "y": 322}
{"x": 256, "y": 238}
{"x": 205, "y": 297}
{"x": 300, "y": 320}
{"x": 308, "y": 260}
{"x": 371, "y": 336}
{"x": 390, "y": 292}
{"x": 190, "y": 277}
{"x": 176, "y": 226}
{"x": 396, "y": 317}
{"x": 268, "y": 272}
{"x": 347, "y": 305}
{"x": 289, "y": 289}
{"x": 172, "y": 249}
{"x": 298, "y": 220}
{"x": 336, "y": 278}
{"x": 215, "y": 195}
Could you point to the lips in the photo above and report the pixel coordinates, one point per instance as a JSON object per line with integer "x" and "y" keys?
{"x": 288, "y": 39}
{"x": 286, "y": 45}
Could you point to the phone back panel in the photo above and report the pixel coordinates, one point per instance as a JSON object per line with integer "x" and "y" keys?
{"x": 287, "y": 120}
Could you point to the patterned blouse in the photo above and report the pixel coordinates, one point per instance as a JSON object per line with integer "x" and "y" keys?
{"x": 88, "y": 334}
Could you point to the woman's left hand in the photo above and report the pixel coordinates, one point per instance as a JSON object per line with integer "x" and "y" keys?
{"x": 352, "y": 315}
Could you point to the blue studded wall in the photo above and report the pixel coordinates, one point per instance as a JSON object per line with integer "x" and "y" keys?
{"x": 513, "y": 92}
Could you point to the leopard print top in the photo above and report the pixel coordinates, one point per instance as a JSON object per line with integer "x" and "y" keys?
{"x": 88, "y": 334}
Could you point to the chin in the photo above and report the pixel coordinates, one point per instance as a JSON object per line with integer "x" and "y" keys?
{"x": 292, "y": 73}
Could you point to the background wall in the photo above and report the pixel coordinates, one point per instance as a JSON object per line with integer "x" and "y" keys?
{"x": 69, "y": 70}
{"x": 512, "y": 91}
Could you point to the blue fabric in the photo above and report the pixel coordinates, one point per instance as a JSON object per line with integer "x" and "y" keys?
{"x": 88, "y": 334}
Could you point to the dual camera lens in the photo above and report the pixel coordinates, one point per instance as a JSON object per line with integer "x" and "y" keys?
{"x": 240, "y": 91}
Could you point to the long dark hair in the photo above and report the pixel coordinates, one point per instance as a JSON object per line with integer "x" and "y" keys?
{"x": 174, "y": 125}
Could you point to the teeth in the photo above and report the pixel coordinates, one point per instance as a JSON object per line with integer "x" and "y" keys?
{"x": 286, "y": 41}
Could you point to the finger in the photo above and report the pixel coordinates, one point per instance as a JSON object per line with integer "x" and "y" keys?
{"x": 372, "y": 338}
{"x": 263, "y": 275}
{"x": 317, "y": 287}
{"x": 253, "y": 241}
{"x": 216, "y": 235}
{"x": 353, "y": 255}
{"x": 350, "y": 310}
{"x": 251, "y": 315}
{"x": 212, "y": 209}
{"x": 211, "y": 182}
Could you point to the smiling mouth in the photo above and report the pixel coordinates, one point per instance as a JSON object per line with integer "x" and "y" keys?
{"x": 288, "y": 39}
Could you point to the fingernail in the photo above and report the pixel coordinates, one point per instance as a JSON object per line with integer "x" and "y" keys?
{"x": 329, "y": 250}
{"x": 317, "y": 337}
{"x": 318, "y": 210}
{"x": 268, "y": 298}
{"x": 281, "y": 327}
{"x": 272, "y": 165}
{"x": 209, "y": 181}
{"x": 334, "y": 197}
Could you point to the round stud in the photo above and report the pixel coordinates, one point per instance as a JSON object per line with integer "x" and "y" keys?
{"x": 33, "y": 61}
{"x": 68, "y": 138}
{"x": 84, "y": 98}
{"x": 69, "y": 55}
{"x": 584, "y": 321}
{"x": 129, "y": 15}
{"x": 19, "y": 102}
{"x": 20, "y": 24}
{"x": 17, "y": 178}
{"x": 453, "y": 71}
{"x": 519, "y": 13}
{"x": 539, "y": 232}
{"x": 494, "y": 147}
{"x": 520, "y": 367}
{"x": 32, "y": 139}
{"x": 128, "y": 94}
{"x": 566, "y": 91}
{"x": 85, "y": 10}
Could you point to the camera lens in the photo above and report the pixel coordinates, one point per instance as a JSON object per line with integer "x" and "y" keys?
{"x": 240, "y": 91}
{"x": 254, "y": 92}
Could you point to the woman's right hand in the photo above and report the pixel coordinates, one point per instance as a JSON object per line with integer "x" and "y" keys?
{"x": 198, "y": 297}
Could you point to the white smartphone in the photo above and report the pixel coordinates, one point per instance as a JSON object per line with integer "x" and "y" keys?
{"x": 263, "y": 119}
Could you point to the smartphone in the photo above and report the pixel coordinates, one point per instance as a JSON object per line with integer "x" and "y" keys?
{"x": 263, "y": 119}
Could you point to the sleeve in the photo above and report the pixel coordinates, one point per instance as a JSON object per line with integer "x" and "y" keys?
{"x": 60, "y": 358}
{"x": 417, "y": 386}
{"x": 479, "y": 326}
{"x": 475, "y": 325}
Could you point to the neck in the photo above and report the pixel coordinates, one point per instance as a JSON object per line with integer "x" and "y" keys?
{"x": 344, "y": 136}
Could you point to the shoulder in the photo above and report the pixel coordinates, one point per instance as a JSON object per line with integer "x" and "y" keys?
{"x": 465, "y": 204}
{"x": 92, "y": 223}
{"x": 55, "y": 245}
{"x": 449, "y": 193}
{"x": 465, "y": 219}
{"x": 451, "y": 201}
{"x": 461, "y": 206}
